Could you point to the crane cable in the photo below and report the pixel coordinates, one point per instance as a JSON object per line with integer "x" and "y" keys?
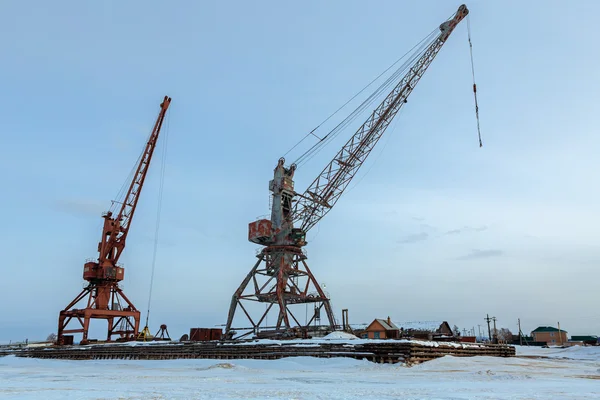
{"x": 424, "y": 44}
{"x": 474, "y": 85}
{"x": 361, "y": 107}
{"x": 120, "y": 198}
{"x": 306, "y": 156}
{"x": 158, "y": 213}
{"x": 352, "y": 98}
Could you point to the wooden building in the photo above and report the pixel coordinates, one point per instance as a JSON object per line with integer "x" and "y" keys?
{"x": 381, "y": 329}
{"x": 428, "y": 330}
{"x": 552, "y": 336}
{"x": 590, "y": 340}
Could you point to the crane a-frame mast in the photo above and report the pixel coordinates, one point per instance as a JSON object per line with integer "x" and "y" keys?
{"x": 288, "y": 279}
{"x": 105, "y": 299}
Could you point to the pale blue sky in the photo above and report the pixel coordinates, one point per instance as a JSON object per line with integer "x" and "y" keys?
{"x": 437, "y": 228}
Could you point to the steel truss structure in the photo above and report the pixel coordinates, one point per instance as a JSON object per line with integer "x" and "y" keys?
{"x": 105, "y": 299}
{"x": 282, "y": 263}
{"x": 282, "y": 277}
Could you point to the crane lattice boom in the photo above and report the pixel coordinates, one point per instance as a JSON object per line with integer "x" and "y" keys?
{"x": 113, "y": 240}
{"x": 327, "y": 188}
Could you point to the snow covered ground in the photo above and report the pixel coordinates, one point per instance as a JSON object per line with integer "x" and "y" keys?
{"x": 575, "y": 352}
{"x": 565, "y": 374}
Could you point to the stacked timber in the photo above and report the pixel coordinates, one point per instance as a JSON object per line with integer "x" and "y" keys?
{"x": 402, "y": 351}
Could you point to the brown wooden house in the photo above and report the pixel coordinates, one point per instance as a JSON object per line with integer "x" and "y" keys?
{"x": 550, "y": 335}
{"x": 381, "y": 329}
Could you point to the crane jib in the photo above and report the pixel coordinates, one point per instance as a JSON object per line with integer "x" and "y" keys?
{"x": 326, "y": 189}
{"x": 334, "y": 179}
{"x": 116, "y": 228}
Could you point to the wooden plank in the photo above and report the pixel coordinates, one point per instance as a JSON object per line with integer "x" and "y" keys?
{"x": 378, "y": 352}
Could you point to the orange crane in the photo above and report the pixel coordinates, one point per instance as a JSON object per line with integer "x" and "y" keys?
{"x": 105, "y": 299}
{"x": 281, "y": 278}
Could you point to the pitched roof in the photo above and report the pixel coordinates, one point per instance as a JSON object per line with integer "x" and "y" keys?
{"x": 387, "y": 326}
{"x": 384, "y": 324}
{"x": 586, "y": 338}
{"x": 431, "y": 326}
{"x": 546, "y": 329}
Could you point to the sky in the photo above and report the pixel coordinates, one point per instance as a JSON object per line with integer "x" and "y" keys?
{"x": 432, "y": 228}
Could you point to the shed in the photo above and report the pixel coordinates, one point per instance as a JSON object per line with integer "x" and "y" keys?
{"x": 426, "y": 329}
{"x": 586, "y": 339}
{"x": 382, "y": 329}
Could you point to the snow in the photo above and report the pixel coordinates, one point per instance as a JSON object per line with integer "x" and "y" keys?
{"x": 352, "y": 342}
{"x": 407, "y": 325}
{"x": 340, "y": 335}
{"x": 555, "y": 377}
{"x": 430, "y": 326}
{"x": 573, "y": 352}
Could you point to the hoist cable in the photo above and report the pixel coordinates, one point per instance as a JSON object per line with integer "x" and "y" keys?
{"x": 474, "y": 85}
{"x": 393, "y": 126}
{"x": 119, "y": 199}
{"x": 389, "y": 81}
{"x": 342, "y": 125}
{"x": 392, "y": 79}
{"x": 356, "y": 95}
{"x": 158, "y": 213}
{"x": 383, "y": 88}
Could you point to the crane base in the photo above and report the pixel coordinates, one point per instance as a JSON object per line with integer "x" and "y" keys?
{"x": 280, "y": 279}
{"x": 123, "y": 321}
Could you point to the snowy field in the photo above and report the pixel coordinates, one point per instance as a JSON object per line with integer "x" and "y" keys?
{"x": 561, "y": 374}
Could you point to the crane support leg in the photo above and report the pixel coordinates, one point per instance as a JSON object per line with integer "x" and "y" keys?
{"x": 120, "y": 308}
{"x": 236, "y": 296}
{"x": 326, "y": 304}
{"x": 282, "y": 281}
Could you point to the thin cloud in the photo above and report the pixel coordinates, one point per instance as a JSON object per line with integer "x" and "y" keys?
{"x": 417, "y": 237}
{"x": 466, "y": 229}
{"x": 427, "y": 227}
{"x": 477, "y": 254}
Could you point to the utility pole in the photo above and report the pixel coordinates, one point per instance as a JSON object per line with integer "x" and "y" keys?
{"x": 345, "y": 322}
{"x": 559, "y": 334}
{"x": 488, "y": 319}
{"x": 520, "y": 333}
{"x": 495, "y": 341}
{"x": 479, "y": 327}
{"x": 464, "y": 332}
